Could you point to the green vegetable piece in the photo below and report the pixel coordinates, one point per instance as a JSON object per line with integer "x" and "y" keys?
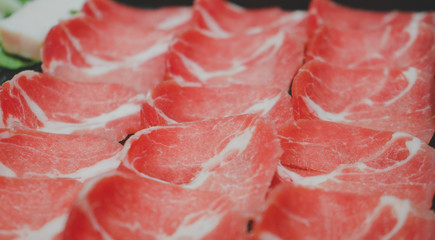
{"x": 13, "y": 62}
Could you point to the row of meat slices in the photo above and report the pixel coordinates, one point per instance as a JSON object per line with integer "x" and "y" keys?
{"x": 220, "y": 150}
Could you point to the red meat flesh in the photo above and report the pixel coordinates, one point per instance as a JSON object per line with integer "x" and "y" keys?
{"x": 35, "y": 208}
{"x": 270, "y": 58}
{"x": 30, "y": 154}
{"x": 224, "y": 19}
{"x": 39, "y": 101}
{"x": 175, "y": 18}
{"x": 125, "y": 206}
{"x": 383, "y": 99}
{"x": 86, "y": 49}
{"x": 302, "y": 213}
{"x": 327, "y": 12}
{"x": 411, "y": 45}
{"x": 339, "y": 157}
{"x": 235, "y": 156}
{"x": 189, "y": 103}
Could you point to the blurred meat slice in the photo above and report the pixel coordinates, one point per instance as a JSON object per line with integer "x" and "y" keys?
{"x": 327, "y": 12}
{"x": 234, "y": 156}
{"x": 303, "y": 213}
{"x": 184, "y": 103}
{"x": 270, "y": 59}
{"x": 169, "y": 18}
{"x": 86, "y": 49}
{"x": 387, "y": 99}
{"x": 343, "y": 158}
{"x": 411, "y": 45}
{"x": 34, "y": 100}
{"x": 34, "y": 154}
{"x": 223, "y": 19}
{"x": 125, "y": 206}
{"x": 35, "y": 208}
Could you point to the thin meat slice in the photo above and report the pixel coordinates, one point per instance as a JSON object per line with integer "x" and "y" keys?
{"x": 174, "y": 18}
{"x": 234, "y": 156}
{"x": 90, "y": 50}
{"x": 184, "y": 103}
{"x": 270, "y": 58}
{"x": 38, "y": 101}
{"x": 34, "y": 154}
{"x": 411, "y": 45}
{"x": 125, "y": 206}
{"x": 384, "y": 99}
{"x": 303, "y": 213}
{"x": 224, "y": 19}
{"x": 343, "y": 158}
{"x": 327, "y": 12}
{"x": 35, "y": 208}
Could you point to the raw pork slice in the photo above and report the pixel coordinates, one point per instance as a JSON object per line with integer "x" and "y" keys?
{"x": 224, "y": 19}
{"x": 116, "y": 13}
{"x": 39, "y": 101}
{"x": 270, "y": 59}
{"x": 302, "y": 213}
{"x": 183, "y": 103}
{"x": 35, "y": 208}
{"x": 89, "y": 50}
{"x": 384, "y": 99}
{"x": 411, "y": 45}
{"x": 339, "y": 157}
{"x": 327, "y": 12}
{"x": 124, "y": 206}
{"x": 235, "y": 156}
{"x": 27, "y": 154}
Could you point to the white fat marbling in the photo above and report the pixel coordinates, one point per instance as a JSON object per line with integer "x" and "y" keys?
{"x": 212, "y": 24}
{"x": 274, "y": 42}
{"x": 268, "y": 236}
{"x": 6, "y": 172}
{"x": 48, "y": 231}
{"x": 401, "y": 209}
{"x": 290, "y": 176}
{"x": 412, "y": 30}
{"x": 198, "y": 229}
{"x": 182, "y": 17}
{"x": 264, "y": 106}
{"x": 413, "y": 146}
{"x": 236, "y": 144}
{"x": 100, "y": 167}
{"x": 294, "y": 16}
{"x": 203, "y": 75}
{"x": 411, "y": 75}
{"x": 100, "y": 121}
{"x": 100, "y": 66}
{"x": 324, "y": 115}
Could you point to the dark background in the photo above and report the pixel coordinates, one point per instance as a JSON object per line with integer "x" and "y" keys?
{"x": 382, "y": 5}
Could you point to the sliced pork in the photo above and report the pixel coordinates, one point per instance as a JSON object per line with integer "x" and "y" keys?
{"x": 125, "y": 206}
{"x": 183, "y": 103}
{"x": 234, "y": 156}
{"x": 34, "y": 154}
{"x": 222, "y": 18}
{"x": 90, "y": 50}
{"x": 167, "y": 18}
{"x": 35, "y": 208}
{"x": 39, "y": 101}
{"x": 270, "y": 58}
{"x": 343, "y": 158}
{"x": 411, "y": 45}
{"x": 303, "y": 213}
{"x": 385, "y": 99}
{"x": 327, "y": 12}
